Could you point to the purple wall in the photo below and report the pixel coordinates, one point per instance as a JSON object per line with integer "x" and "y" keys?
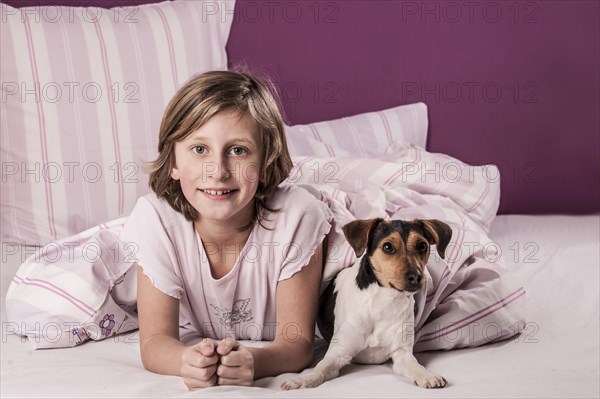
{"x": 510, "y": 83}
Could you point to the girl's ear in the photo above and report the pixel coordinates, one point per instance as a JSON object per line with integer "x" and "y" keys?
{"x": 175, "y": 173}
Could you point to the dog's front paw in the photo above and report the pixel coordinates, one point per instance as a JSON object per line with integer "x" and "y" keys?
{"x": 309, "y": 380}
{"x": 429, "y": 380}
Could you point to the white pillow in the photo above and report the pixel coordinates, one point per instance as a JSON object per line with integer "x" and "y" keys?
{"x": 365, "y": 135}
{"x": 71, "y": 153}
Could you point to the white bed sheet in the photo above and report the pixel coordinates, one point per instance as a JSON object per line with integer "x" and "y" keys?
{"x": 556, "y": 257}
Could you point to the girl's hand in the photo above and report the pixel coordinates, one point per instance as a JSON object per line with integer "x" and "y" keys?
{"x": 236, "y": 366}
{"x": 199, "y": 364}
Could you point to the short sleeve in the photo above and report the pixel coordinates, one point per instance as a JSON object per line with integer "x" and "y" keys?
{"x": 153, "y": 249}
{"x": 308, "y": 220}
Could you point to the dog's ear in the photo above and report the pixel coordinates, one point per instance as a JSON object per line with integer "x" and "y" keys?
{"x": 359, "y": 232}
{"x": 438, "y": 233}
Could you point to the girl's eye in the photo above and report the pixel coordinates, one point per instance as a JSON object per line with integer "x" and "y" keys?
{"x": 199, "y": 149}
{"x": 238, "y": 151}
{"x": 388, "y": 248}
{"x": 422, "y": 246}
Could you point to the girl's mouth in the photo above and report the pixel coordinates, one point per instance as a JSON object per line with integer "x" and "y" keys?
{"x": 218, "y": 194}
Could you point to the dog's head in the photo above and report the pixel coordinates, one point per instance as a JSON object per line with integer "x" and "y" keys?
{"x": 396, "y": 251}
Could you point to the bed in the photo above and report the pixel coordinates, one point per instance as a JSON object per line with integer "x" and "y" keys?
{"x": 556, "y": 257}
{"x": 547, "y": 237}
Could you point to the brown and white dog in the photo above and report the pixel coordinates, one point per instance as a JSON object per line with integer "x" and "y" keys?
{"x": 367, "y": 311}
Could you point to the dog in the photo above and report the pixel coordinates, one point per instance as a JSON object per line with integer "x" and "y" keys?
{"x": 367, "y": 311}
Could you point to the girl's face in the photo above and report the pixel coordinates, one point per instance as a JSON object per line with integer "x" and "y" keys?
{"x": 218, "y": 168}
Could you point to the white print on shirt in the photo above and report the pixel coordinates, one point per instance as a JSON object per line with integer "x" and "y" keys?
{"x": 234, "y": 315}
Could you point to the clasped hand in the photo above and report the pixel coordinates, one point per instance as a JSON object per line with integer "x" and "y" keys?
{"x": 210, "y": 362}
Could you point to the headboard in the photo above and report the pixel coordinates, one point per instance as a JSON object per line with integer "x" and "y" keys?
{"x": 515, "y": 84}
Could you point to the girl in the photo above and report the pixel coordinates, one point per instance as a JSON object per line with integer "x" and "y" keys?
{"x": 223, "y": 250}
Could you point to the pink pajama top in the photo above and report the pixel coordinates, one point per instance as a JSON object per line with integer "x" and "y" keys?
{"x": 242, "y": 303}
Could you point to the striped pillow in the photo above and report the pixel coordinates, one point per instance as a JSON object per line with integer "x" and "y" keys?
{"x": 83, "y": 93}
{"x": 364, "y": 135}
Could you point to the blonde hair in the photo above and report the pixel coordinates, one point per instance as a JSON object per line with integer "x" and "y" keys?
{"x": 196, "y": 102}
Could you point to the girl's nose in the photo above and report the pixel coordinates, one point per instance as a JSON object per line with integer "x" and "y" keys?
{"x": 218, "y": 168}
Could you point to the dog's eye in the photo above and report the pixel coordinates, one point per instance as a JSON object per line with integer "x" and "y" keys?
{"x": 388, "y": 248}
{"x": 422, "y": 246}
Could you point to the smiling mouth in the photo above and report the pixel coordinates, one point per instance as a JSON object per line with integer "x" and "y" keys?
{"x": 217, "y": 192}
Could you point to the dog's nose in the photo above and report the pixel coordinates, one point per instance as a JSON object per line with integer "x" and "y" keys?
{"x": 414, "y": 277}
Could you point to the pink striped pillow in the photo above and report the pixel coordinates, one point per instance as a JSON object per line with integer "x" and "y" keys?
{"x": 366, "y": 135}
{"x": 72, "y": 141}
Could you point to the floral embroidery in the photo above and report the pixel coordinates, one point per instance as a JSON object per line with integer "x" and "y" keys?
{"x": 107, "y": 324}
{"x": 234, "y": 315}
{"x": 75, "y": 332}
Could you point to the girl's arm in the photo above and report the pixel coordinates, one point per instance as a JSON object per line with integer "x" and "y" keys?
{"x": 158, "y": 315}
{"x": 160, "y": 348}
{"x": 297, "y": 299}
